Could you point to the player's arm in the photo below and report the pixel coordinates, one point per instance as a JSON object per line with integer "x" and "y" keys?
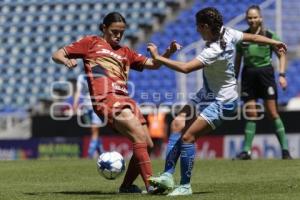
{"x": 153, "y": 64}
{"x": 278, "y": 45}
{"x": 282, "y": 67}
{"x": 60, "y": 56}
{"x": 184, "y": 67}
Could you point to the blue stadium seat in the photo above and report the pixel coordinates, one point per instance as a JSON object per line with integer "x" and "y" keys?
{"x": 34, "y": 29}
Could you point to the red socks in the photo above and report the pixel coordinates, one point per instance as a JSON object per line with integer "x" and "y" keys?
{"x": 139, "y": 163}
{"x": 143, "y": 161}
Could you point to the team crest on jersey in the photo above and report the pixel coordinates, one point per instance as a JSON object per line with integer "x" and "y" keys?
{"x": 245, "y": 94}
{"x": 271, "y": 90}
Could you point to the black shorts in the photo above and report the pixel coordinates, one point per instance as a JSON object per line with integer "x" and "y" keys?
{"x": 258, "y": 83}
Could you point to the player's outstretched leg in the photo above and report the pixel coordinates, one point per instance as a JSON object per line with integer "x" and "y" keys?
{"x": 187, "y": 158}
{"x": 165, "y": 180}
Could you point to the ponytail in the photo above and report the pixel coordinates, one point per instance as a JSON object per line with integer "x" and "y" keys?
{"x": 222, "y": 41}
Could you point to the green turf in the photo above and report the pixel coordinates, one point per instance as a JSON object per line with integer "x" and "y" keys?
{"x": 214, "y": 179}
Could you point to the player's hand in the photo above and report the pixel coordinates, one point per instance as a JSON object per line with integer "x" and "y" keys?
{"x": 174, "y": 46}
{"x": 152, "y": 48}
{"x": 282, "y": 82}
{"x": 281, "y": 47}
{"x": 71, "y": 63}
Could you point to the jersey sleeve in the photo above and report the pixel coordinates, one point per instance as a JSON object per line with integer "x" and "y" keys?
{"x": 237, "y": 36}
{"x": 275, "y": 36}
{"x": 208, "y": 56}
{"x": 78, "y": 49}
{"x": 136, "y": 60}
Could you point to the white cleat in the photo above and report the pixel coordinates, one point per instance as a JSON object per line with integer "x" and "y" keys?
{"x": 164, "y": 181}
{"x": 182, "y": 190}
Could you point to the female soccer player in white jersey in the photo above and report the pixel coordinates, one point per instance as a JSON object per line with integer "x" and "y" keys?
{"x": 213, "y": 103}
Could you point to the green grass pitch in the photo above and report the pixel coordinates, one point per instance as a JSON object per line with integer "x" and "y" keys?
{"x": 212, "y": 179}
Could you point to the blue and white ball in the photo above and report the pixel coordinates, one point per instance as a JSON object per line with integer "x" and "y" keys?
{"x": 110, "y": 165}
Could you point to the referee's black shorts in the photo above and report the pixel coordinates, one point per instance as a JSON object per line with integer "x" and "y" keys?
{"x": 258, "y": 83}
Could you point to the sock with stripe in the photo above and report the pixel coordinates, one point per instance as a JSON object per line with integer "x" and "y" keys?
{"x": 187, "y": 158}
{"x": 250, "y": 130}
{"x": 173, "y": 152}
{"x": 280, "y": 132}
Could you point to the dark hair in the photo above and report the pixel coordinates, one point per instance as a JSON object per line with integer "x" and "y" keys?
{"x": 256, "y": 7}
{"x": 111, "y": 18}
{"x": 212, "y": 17}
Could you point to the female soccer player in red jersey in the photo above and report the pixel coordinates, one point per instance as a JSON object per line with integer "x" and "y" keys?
{"x": 107, "y": 65}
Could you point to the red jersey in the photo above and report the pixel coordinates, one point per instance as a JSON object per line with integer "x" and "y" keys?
{"x": 107, "y": 68}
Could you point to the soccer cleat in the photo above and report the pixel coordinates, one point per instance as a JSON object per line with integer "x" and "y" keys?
{"x": 130, "y": 189}
{"x": 164, "y": 181}
{"x": 286, "y": 155}
{"x": 182, "y": 190}
{"x": 244, "y": 156}
{"x": 153, "y": 190}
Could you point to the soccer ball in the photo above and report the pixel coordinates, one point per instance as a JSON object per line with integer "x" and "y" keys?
{"x": 110, "y": 165}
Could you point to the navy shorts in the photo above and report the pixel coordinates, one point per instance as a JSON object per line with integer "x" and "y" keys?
{"x": 258, "y": 83}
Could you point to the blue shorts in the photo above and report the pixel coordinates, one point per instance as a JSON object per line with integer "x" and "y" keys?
{"x": 214, "y": 112}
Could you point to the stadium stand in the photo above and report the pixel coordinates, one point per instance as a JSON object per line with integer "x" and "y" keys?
{"x": 31, "y": 30}
{"x": 182, "y": 30}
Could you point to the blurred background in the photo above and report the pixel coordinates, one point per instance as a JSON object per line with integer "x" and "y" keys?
{"x": 35, "y": 92}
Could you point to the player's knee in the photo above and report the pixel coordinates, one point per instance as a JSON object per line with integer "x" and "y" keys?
{"x": 177, "y": 125}
{"x": 251, "y": 115}
{"x": 148, "y": 137}
{"x": 138, "y": 134}
{"x": 188, "y": 138}
{"x": 272, "y": 115}
{"x": 150, "y": 143}
{"x": 139, "y": 137}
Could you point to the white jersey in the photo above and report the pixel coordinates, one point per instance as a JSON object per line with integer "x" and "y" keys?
{"x": 219, "y": 82}
{"x": 84, "y": 93}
